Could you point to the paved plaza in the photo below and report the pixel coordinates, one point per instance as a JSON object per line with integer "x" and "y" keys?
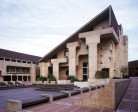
{"x": 129, "y": 102}
{"x": 26, "y": 95}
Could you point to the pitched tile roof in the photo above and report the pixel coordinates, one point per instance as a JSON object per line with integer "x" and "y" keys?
{"x": 16, "y": 55}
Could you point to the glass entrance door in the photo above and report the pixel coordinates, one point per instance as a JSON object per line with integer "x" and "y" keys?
{"x": 85, "y": 71}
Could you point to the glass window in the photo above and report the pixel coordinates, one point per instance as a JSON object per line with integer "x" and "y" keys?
{"x": 19, "y": 78}
{"x": 18, "y": 70}
{"x": 85, "y": 64}
{"x": 7, "y": 78}
{"x": 85, "y": 68}
{"x": 14, "y": 78}
{"x": 24, "y": 78}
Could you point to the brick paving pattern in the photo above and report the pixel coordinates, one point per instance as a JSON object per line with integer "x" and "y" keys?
{"x": 65, "y": 105}
{"x": 129, "y": 102}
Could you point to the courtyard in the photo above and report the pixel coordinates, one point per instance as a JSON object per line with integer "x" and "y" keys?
{"x": 26, "y": 95}
{"x": 129, "y": 102}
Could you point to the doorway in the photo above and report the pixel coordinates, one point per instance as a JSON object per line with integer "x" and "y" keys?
{"x": 85, "y": 71}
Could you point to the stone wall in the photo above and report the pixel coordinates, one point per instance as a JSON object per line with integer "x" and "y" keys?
{"x": 108, "y": 97}
{"x": 62, "y": 73}
{"x": 33, "y": 69}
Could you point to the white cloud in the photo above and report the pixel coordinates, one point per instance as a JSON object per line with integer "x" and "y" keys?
{"x": 38, "y": 45}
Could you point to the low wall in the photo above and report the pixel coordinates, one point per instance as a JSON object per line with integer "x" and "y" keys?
{"x": 82, "y": 84}
{"x": 63, "y": 81}
{"x": 108, "y": 97}
{"x": 94, "y": 82}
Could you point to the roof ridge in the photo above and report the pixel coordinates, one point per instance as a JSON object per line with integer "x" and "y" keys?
{"x": 19, "y": 52}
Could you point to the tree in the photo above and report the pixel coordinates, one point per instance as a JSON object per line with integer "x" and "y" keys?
{"x": 124, "y": 71}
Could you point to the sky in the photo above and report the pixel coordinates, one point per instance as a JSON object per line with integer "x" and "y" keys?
{"x": 37, "y": 26}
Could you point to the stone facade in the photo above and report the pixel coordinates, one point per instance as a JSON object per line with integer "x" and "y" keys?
{"x": 34, "y": 70}
{"x": 100, "y": 44}
{"x": 15, "y": 69}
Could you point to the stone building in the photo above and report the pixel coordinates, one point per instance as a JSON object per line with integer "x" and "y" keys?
{"x": 99, "y": 44}
{"x": 133, "y": 68}
{"x": 16, "y": 66}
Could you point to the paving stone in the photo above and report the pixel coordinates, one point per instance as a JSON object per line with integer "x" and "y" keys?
{"x": 130, "y": 91}
{"x": 136, "y": 91}
{"x": 131, "y": 87}
{"x": 128, "y": 96}
{"x": 125, "y": 105}
{"x": 134, "y": 107}
{"x": 53, "y": 108}
{"x": 108, "y": 111}
{"x": 82, "y": 109}
{"x": 136, "y": 97}
{"x": 40, "y": 108}
{"x": 94, "y": 110}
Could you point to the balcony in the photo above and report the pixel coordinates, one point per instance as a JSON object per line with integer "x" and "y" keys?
{"x": 104, "y": 34}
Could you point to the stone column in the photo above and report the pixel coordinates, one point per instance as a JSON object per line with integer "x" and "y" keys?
{"x": 47, "y": 65}
{"x": 44, "y": 68}
{"x": 91, "y": 40}
{"x": 55, "y": 63}
{"x": 72, "y": 57}
{"x": 92, "y": 59}
{"x": 56, "y": 70}
{"x": 33, "y": 73}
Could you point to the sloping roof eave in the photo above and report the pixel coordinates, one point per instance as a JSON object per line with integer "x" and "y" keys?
{"x": 93, "y": 21}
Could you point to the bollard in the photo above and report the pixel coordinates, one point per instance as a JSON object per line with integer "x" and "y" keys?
{"x": 49, "y": 96}
{"x": 14, "y": 105}
{"x": 66, "y": 92}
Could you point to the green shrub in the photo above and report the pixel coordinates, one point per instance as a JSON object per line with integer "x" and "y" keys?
{"x": 124, "y": 71}
{"x": 116, "y": 77}
{"x": 42, "y": 78}
{"x": 101, "y": 74}
{"x": 52, "y": 78}
{"x": 72, "y": 78}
